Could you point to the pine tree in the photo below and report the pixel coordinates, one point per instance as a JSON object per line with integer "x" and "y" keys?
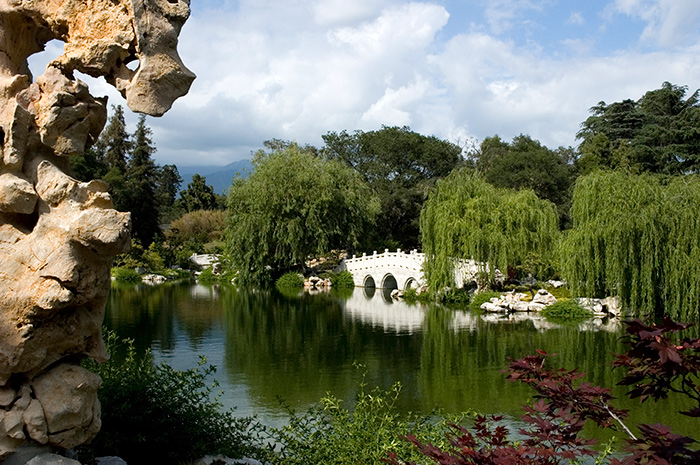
{"x": 198, "y": 196}
{"x": 169, "y": 182}
{"x": 142, "y": 177}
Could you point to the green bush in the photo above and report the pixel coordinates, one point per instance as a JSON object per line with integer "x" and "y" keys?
{"x": 156, "y": 414}
{"x": 481, "y": 298}
{"x": 333, "y": 434}
{"x": 566, "y": 310}
{"x": 125, "y": 275}
{"x": 342, "y": 280}
{"x": 455, "y": 297}
{"x": 290, "y": 280}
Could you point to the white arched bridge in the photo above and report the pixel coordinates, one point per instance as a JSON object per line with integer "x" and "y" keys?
{"x": 399, "y": 270}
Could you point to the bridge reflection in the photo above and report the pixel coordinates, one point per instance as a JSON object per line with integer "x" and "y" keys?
{"x": 378, "y": 309}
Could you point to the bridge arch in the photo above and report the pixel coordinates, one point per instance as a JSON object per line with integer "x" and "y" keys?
{"x": 368, "y": 281}
{"x": 411, "y": 282}
{"x": 389, "y": 282}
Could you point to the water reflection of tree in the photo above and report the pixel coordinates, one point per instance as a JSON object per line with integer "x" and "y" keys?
{"x": 302, "y": 348}
{"x": 159, "y": 313}
{"x": 463, "y": 368}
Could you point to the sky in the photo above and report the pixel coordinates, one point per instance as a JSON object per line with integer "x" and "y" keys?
{"x": 461, "y": 70}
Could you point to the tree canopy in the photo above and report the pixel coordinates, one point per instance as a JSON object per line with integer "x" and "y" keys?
{"x": 526, "y": 163}
{"x": 657, "y": 133}
{"x": 637, "y": 237}
{"x": 291, "y": 206}
{"x": 467, "y": 218}
{"x": 400, "y": 165}
{"x": 198, "y": 196}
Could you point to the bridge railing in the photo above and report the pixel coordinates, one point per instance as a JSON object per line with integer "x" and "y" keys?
{"x": 412, "y": 260}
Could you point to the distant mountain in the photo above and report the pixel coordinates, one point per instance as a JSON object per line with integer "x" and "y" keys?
{"x": 218, "y": 177}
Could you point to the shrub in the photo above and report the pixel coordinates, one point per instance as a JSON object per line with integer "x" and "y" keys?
{"x": 125, "y": 275}
{"x": 333, "y": 434}
{"x": 156, "y": 414}
{"x": 290, "y": 280}
{"x": 342, "y": 280}
{"x": 566, "y": 310}
{"x": 481, "y": 298}
{"x": 456, "y": 297}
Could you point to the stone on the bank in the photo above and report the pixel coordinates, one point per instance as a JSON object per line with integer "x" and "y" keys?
{"x": 68, "y": 395}
{"x": 110, "y": 461}
{"x": 52, "y": 459}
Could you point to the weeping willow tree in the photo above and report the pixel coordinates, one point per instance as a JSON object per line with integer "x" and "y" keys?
{"x": 292, "y": 206}
{"x": 467, "y": 218}
{"x": 637, "y": 237}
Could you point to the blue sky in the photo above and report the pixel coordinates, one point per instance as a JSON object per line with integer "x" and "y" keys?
{"x": 462, "y": 70}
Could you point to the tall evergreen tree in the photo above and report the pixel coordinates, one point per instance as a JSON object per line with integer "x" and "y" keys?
{"x": 198, "y": 196}
{"x": 142, "y": 181}
{"x": 116, "y": 140}
{"x": 169, "y": 181}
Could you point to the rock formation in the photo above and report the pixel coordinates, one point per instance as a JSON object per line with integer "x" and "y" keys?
{"x": 58, "y": 235}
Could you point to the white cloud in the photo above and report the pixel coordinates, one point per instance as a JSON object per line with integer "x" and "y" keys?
{"x": 576, "y": 18}
{"x": 296, "y": 69}
{"x": 502, "y": 15}
{"x": 669, "y": 22}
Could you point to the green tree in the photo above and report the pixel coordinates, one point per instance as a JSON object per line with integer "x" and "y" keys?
{"x": 90, "y": 164}
{"x": 141, "y": 184}
{"x": 291, "y": 206}
{"x": 637, "y": 237}
{"x": 169, "y": 181}
{"x": 401, "y": 166}
{"x": 467, "y": 218}
{"x": 198, "y": 196}
{"x": 657, "y": 133}
{"x": 526, "y": 163}
{"x": 116, "y": 140}
{"x": 113, "y": 147}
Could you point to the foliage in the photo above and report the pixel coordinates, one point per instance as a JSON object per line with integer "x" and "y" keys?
{"x": 456, "y": 297}
{"x": 149, "y": 259}
{"x": 342, "y": 280}
{"x": 290, "y": 280}
{"x": 332, "y": 434}
{"x": 125, "y": 275}
{"x": 198, "y": 196}
{"x": 525, "y": 163}
{"x": 565, "y": 310}
{"x": 292, "y": 206}
{"x": 657, "y": 133}
{"x": 156, "y": 414}
{"x": 166, "y": 192}
{"x": 481, "y": 298}
{"x": 401, "y": 166}
{"x": 637, "y": 237}
{"x": 655, "y": 365}
{"x": 467, "y": 218}
{"x": 199, "y": 226}
{"x": 142, "y": 175}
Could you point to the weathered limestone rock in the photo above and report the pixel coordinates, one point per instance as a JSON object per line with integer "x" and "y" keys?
{"x": 514, "y": 302}
{"x": 58, "y": 235}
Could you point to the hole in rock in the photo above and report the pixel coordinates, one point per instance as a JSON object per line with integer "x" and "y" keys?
{"x": 132, "y": 63}
{"x": 39, "y": 61}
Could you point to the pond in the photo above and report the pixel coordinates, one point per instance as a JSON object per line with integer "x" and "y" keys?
{"x": 271, "y": 349}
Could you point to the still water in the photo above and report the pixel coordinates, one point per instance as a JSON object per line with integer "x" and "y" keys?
{"x": 269, "y": 348}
